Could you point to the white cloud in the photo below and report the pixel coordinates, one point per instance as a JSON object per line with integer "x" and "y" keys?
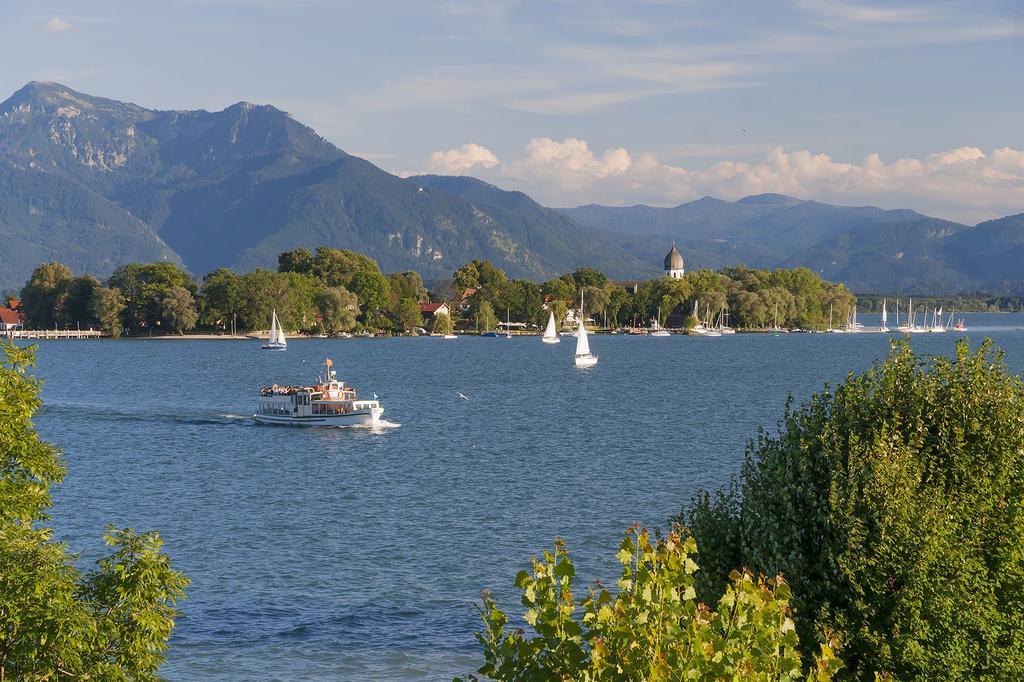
{"x": 58, "y": 25}
{"x": 461, "y": 159}
{"x": 849, "y": 11}
{"x": 569, "y": 164}
{"x": 964, "y": 184}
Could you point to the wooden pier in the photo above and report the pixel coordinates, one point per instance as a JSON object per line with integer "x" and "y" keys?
{"x": 51, "y": 334}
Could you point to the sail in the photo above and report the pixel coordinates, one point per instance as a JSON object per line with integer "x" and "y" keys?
{"x": 582, "y": 343}
{"x": 276, "y": 332}
{"x": 273, "y": 329}
{"x": 549, "y": 331}
{"x": 885, "y": 318}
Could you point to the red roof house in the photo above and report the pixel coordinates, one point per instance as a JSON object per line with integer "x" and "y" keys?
{"x": 432, "y": 310}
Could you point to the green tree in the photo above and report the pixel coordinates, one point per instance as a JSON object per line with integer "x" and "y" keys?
{"x": 338, "y": 308}
{"x": 589, "y": 277}
{"x": 652, "y": 629}
{"x": 373, "y": 290}
{"x": 559, "y": 289}
{"x": 296, "y": 260}
{"x": 219, "y": 302}
{"x": 485, "y": 318}
{"x": 77, "y": 306}
{"x": 289, "y": 293}
{"x": 893, "y": 505}
{"x": 44, "y": 295}
{"x": 406, "y": 285}
{"x": 595, "y": 301}
{"x": 178, "y": 310}
{"x": 490, "y": 274}
{"x": 617, "y": 300}
{"x": 107, "y": 306}
{"x": 144, "y": 285}
{"x": 467, "y": 277}
{"x": 406, "y": 314}
{"x": 337, "y": 267}
{"x": 443, "y": 324}
{"x": 111, "y": 623}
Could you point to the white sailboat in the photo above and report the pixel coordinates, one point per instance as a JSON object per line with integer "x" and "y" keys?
{"x": 583, "y": 357}
{"x": 908, "y": 327}
{"x": 885, "y": 319}
{"x": 937, "y": 326}
{"x": 831, "y": 329}
{"x": 656, "y": 329}
{"x": 712, "y": 330}
{"x": 775, "y": 325}
{"x": 723, "y": 322}
{"x": 852, "y": 325}
{"x": 697, "y": 329}
{"x": 276, "y": 340}
{"x": 550, "y": 333}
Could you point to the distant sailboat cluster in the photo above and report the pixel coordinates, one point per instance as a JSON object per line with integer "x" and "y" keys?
{"x": 932, "y": 321}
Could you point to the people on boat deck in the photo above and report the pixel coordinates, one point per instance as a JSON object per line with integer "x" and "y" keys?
{"x": 289, "y": 390}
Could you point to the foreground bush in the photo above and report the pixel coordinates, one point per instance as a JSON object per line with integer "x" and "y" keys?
{"x": 893, "y": 505}
{"x": 653, "y": 629}
{"x": 111, "y": 623}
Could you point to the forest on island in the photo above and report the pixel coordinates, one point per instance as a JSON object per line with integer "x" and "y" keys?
{"x": 335, "y": 290}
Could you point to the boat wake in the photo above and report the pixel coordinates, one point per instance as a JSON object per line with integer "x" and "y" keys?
{"x": 380, "y": 427}
{"x": 98, "y": 413}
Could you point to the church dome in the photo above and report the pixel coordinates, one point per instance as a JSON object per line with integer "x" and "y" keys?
{"x": 674, "y": 260}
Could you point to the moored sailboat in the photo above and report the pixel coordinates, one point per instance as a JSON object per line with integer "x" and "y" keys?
{"x": 656, "y": 328}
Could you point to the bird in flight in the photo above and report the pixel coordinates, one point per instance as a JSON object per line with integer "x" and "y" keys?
{"x": 462, "y": 396}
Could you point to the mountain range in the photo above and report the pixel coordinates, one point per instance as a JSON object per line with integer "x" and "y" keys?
{"x": 95, "y": 183}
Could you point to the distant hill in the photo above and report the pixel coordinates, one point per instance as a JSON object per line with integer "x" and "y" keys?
{"x": 235, "y": 187}
{"x": 95, "y": 183}
{"x": 868, "y": 248}
{"x": 992, "y": 253}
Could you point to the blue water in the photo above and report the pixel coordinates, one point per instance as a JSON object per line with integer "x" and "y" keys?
{"x": 327, "y": 554}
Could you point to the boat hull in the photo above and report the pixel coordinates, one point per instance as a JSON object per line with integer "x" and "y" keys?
{"x": 273, "y": 346}
{"x": 584, "y": 360}
{"x": 358, "y": 418}
{"x": 546, "y": 339}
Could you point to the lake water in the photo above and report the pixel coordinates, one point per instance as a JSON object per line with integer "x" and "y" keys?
{"x": 324, "y": 554}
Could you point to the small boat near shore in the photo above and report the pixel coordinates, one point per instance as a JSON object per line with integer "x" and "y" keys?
{"x": 276, "y": 340}
{"x": 550, "y": 333}
{"x": 583, "y": 356}
{"x": 327, "y": 403}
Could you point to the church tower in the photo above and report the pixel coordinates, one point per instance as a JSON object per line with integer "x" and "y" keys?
{"x": 674, "y": 263}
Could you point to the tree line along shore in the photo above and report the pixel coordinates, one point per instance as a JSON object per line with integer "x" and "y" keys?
{"x": 335, "y": 290}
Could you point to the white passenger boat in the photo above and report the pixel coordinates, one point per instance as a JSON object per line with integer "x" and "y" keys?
{"x": 329, "y": 403}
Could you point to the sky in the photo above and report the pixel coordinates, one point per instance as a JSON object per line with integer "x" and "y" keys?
{"x": 900, "y": 104}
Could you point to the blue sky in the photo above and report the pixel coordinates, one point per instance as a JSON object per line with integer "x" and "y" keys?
{"x": 897, "y": 104}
